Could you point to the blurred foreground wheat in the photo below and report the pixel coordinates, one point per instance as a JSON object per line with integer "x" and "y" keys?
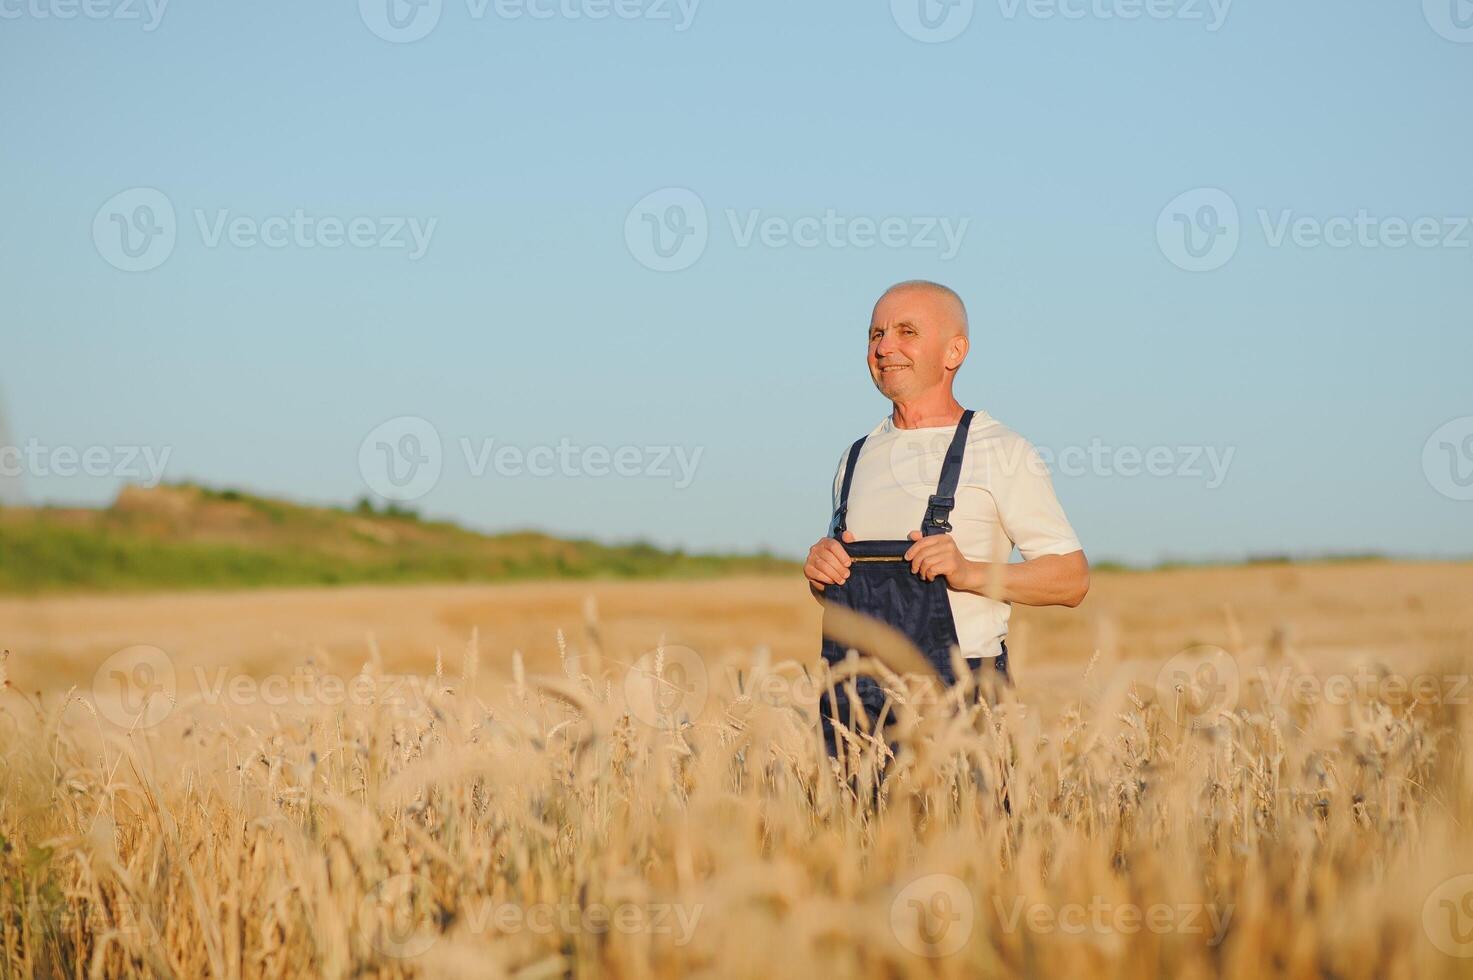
{"x": 570, "y": 824}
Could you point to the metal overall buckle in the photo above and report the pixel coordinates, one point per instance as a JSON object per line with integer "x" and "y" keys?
{"x": 939, "y": 512}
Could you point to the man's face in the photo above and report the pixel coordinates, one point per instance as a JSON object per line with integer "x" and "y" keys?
{"x": 913, "y": 340}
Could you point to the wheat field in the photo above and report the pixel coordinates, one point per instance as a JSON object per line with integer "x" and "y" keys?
{"x": 1217, "y": 772}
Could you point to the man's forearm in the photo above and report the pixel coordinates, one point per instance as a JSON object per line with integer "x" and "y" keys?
{"x": 1049, "y": 580}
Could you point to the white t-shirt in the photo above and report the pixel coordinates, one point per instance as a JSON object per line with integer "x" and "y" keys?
{"x": 1004, "y": 499}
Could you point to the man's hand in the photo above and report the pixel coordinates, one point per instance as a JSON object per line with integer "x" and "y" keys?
{"x": 939, "y": 555}
{"x": 1044, "y": 580}
{"x": 828, "y": 563}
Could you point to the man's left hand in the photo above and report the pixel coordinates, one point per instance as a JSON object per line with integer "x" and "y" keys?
{"x": 939, "y": 555}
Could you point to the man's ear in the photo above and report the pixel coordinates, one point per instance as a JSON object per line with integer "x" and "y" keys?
{"x": 956, "y": 351}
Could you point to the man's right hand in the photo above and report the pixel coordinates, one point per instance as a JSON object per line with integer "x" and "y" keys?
{"x": 828, "y": 563}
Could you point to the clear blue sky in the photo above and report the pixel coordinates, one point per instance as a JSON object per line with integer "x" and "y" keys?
{"x": 529, "y": 318}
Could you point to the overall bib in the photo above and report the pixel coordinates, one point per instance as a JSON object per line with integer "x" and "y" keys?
{"x": 882, "y": 585}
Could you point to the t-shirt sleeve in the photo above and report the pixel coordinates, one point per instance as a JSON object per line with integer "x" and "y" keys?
{"x": 1030, "y": 513}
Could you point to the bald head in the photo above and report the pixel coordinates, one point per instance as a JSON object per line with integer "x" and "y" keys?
{"x": 917, "y": 342}
{"x": 942, "y": 302}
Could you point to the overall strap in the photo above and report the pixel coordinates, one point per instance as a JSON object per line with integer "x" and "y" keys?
{"x": 938, "y": 511}
{"x": 841, "y": 516}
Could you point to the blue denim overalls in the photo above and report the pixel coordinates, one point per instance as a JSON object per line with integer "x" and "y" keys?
{"x": 882, "y": 585}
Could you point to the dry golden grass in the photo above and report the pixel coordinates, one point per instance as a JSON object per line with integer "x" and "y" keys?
{"x": 599, "y": 808}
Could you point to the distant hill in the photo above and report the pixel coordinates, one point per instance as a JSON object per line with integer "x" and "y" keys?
{"x": 188, "y": 536}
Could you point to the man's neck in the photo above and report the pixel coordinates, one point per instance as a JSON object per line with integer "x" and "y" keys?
{"x": 927, "y": 412}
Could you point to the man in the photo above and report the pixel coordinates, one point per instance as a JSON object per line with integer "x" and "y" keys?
{"x": 929, "y": 505}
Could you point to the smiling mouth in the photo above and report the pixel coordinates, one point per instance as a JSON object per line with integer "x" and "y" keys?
{"x": 887, "y": 368}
